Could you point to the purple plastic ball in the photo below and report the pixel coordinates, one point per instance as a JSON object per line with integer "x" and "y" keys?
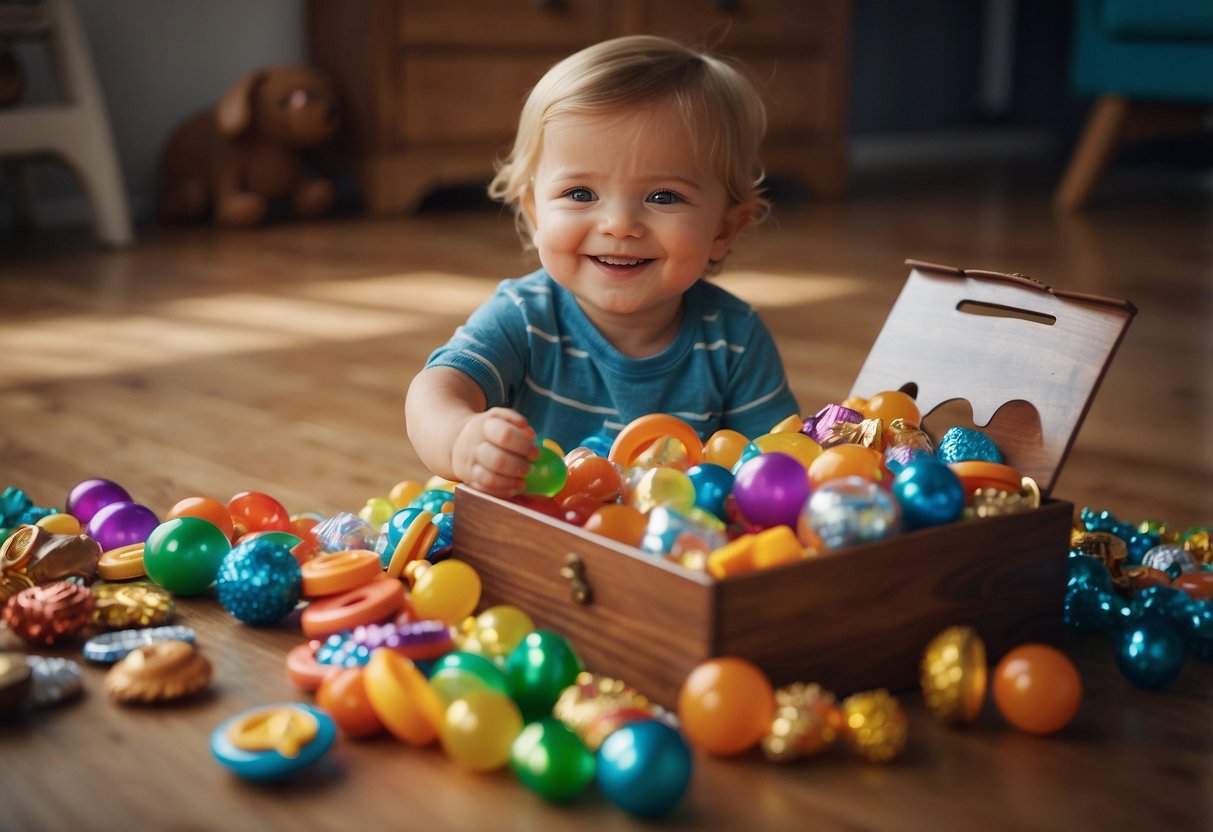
{"x": 770, "y": 489}
{"x": 121, "y": 524}
{"x": 90, "y": 496}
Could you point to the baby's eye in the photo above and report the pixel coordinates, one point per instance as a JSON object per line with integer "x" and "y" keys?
{"x": 664, "y": 198}
{"x": 579, "y": 194}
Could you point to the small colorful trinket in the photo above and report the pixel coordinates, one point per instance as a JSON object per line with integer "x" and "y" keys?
{"x": 114, "y": 646}
{"x": 592, "y": 702}
{"x": 807, "y": 722}
{"x": 875, "y": 725}
{"x": 158, "y": 672}
{"x": 124, "y": 606}
{"x": 273, "y": 741}
{"x": 51, "y": 613}
{"x": 953, "y": 675}
{"x": 55, "y": 680}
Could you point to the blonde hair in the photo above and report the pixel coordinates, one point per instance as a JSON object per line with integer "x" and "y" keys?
{"x": 720, "y": 106}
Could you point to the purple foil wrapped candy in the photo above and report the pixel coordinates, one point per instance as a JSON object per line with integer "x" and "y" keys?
{"x": 822, "y": 430}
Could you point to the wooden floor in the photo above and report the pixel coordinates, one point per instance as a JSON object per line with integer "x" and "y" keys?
{"x": 206, "y": 362}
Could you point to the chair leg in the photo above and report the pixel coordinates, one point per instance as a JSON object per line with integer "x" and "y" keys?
{"x": 1100, "y": 138}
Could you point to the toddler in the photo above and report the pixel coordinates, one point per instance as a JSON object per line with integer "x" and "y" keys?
{"x": 635, "y": 167}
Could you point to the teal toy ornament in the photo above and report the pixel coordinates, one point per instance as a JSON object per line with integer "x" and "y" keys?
{"x": 1150, "y": 653}
{"x": 644, "y": 767}
{"x": 929, "y": 493}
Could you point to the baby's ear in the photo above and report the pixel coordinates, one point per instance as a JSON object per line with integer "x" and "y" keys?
{"x": 734, "y": 221}
{"x": 234, "y": 112}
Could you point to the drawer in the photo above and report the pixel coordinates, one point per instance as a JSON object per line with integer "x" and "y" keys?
{"x": 464, "y": 98}
{"x": 758, "y": 24}
{"x": 497, "y": 24}
{"x": 796, "y": 93}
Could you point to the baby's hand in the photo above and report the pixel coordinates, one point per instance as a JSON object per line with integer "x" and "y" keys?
{"x": 493, "y": 452}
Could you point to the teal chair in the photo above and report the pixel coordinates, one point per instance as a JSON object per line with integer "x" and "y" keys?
{"x": 1149, "y": 66}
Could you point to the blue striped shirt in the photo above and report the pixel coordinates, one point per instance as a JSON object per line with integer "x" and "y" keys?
{"x": 532, "y": 348}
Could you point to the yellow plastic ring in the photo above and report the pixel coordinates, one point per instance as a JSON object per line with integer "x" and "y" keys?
{"x": 414, "y": 543}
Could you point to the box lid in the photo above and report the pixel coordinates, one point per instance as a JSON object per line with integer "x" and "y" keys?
{"x": 1027, "y": 358}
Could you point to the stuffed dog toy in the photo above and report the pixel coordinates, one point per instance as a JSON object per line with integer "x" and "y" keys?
{"x": 236, "y": 159}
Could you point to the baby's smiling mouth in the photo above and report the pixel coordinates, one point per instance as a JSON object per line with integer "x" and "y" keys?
{"x": 619, "y": 262}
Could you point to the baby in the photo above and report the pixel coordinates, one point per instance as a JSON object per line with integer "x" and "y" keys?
{"x": 635, "y": 166}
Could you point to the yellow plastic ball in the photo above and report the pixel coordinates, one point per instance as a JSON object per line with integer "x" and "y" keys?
{"x": 478, "y": 730}
{"x": 60, "y": 524}
{"x": 404, "y": 492}
{"x": 796, "y": 445}
{"x": 448, "y": 591}
{"x": 377, "y": 511}
{"x": 498, "y": 630}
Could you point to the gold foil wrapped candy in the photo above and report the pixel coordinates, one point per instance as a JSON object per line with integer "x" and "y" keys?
{"x": 124, "y": 606}
{"x": 807, "y": 721}
{"x": 953, "y": 675}
{"x": 48, "y": 557}
{"x": 594, "y": 706}
{"x": 1106, "y": 547}
{"x": 875, "y": 725}
{"x": 158, "y": 672}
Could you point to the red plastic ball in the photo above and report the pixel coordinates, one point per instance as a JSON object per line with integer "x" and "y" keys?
{"x": 257, "y": 512}
{"x": 1037, "y": 688}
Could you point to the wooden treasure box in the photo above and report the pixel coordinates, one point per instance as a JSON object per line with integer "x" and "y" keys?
{"x": 1027, "y": 358}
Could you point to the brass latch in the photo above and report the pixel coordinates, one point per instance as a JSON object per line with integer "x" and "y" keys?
{"x": 573, "y": 571}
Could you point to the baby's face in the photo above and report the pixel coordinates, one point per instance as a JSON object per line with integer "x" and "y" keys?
{"x": 625, "y": 217}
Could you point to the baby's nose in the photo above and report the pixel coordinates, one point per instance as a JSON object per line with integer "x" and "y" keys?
{"x": 620, "y": 220}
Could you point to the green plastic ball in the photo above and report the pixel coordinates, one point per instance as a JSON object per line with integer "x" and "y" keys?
{"x": 548, "y": 473}
{"x": 538, "y": 670}
{"x": 551, "y": 760}
{"x": 476, "y": 665}
{"x": 183, "y": 555}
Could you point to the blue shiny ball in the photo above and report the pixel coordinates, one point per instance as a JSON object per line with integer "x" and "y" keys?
{"x": 712, "y": 486}
{"x": 928, "y": 492}
{"x": 1149, "y": 653}
{"x": 259, "y": 582}
{"x": 599, "y": 443}
{"x": 1086, "y": 570}
{"x": 747, "y": 453}
{"x": 1197, "y": 630}
{"x": 1161, "y": 601}
{"x": 644, "y": 767}
{"x": 432, "y": 500}
{"x": 446, "y": 531}
{"x": 1090, "y": 609}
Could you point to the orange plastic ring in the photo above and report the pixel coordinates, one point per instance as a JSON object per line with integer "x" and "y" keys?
{"x": 122, "y": 564}
{"x": 415, "y": 543}
{"x": 367, "y": 604}
{"x": 335, "y": 572}
{"x": 975, "y": 473}
{"x": 302, "y": 669}
{"x": 402, "y": 698}
{"x": 640, "y": 432}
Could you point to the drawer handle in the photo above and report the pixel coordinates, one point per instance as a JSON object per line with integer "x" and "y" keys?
{"x": 573, "y": 571}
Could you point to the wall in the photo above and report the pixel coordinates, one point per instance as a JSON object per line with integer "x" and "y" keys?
{"x": 918, "y": 70}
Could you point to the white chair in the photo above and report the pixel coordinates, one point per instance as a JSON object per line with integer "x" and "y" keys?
{"x": 77, "y": 128}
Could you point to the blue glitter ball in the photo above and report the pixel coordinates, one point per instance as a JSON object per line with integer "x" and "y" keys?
{"x": 964, "y": 444}
{"x": 259, "y": 582}
{"x": 1165, "y": 602}
{"x": 1197, "y": 630}
{"x": 1089, "y": 609}
{"x": 1086, "y": 570}
{"x": 1150, "y": 653}
{"x": 343, "y": 650}
{"x": 446, "y": 531}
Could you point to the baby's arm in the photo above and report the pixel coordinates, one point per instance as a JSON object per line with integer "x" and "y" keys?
{"x": 457, "y": 438}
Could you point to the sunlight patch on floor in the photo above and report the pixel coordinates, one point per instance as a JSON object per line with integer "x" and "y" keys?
{"x": 337, "y": 311}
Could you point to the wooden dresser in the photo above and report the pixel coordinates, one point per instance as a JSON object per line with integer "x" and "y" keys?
{"x": 433, "y": 88}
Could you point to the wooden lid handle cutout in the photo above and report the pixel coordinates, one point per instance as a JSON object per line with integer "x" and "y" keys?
{"x": 991, "y": 339}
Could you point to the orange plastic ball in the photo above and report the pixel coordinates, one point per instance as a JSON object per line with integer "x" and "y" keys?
{"x": 404, "y": 492}
{"x": 618, "y": 522}
{"x": 258, "y": 512}
{"x": 724, "y": 448}
{"x": 594, "y": 476}
{"x": 1037, "y": 688}
{"x": 206, "y": 508}
{"x": 892, "y": 404}
{"x": 343, "y": 696}
{"x": 726, "y": 705}
{"x": 846, "y": 460}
